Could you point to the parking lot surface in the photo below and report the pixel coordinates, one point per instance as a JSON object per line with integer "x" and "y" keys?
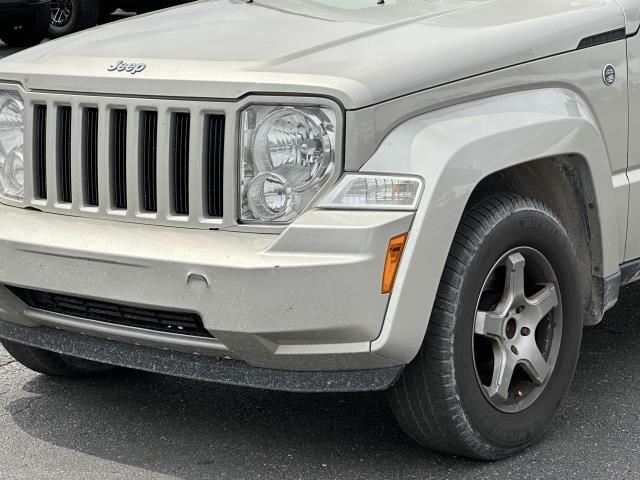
{"x": 130, "y": 424}
{"x": 133, "y": 425}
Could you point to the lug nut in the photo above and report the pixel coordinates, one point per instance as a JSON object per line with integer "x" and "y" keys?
{"x": 520, "y": 309}
{"x": 525, "y": 331}
{"x": 514, "y": 349}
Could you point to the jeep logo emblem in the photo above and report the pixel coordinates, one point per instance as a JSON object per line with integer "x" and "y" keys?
{"x": 122, "y": 66}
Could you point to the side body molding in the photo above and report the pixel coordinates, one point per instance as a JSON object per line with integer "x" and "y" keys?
{"x": 453, "y": 150}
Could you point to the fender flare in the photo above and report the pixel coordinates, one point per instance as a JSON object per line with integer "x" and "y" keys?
{"x": 453, "y": 150}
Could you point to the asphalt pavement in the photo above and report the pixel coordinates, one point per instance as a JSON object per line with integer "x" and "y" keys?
{"x": 129, "y": 424}
{"x": 134, "y": 425}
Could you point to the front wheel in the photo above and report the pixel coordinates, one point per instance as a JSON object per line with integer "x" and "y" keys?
{"x": 504, "y": 335}
{"x": 68, "y": 16}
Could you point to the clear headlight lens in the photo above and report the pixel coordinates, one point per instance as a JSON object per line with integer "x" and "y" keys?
{"x": 287, "y": 154}
{"x": 374, "y": 192}
{"x": 11, "y": 145}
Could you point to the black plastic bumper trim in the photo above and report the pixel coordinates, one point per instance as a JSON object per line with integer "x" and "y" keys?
{"x": 630, "y": 272}
{"x": 178, "y": 364}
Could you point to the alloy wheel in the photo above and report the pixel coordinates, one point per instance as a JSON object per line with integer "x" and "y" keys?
{"x": 61, "y": 12}
{"x": 517, "y": 329}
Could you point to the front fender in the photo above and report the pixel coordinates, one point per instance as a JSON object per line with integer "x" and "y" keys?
{"x": 453, "y": 150}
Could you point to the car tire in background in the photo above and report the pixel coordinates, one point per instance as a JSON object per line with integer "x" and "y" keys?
{"x": 504, "y": 335}
{"x": 28, "y": 32}
{"x": 53, "y": 364}
{"x": 68, "y": 16}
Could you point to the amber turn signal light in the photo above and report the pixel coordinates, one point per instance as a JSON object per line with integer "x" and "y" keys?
{"x": 394, "y": 254}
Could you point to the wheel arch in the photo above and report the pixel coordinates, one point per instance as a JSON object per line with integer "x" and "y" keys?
{"x": 543, "y": 143}
{"x": 563, "y": 183}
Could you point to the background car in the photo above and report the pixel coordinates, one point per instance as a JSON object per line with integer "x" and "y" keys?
{"x": 23, "y": 22}
{"x": 68, "y": 16}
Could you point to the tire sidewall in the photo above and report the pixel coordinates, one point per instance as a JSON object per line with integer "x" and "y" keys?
{"x": 538, "y": 230}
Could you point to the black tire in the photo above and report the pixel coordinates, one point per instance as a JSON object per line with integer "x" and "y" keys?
{"x": 53, "y": 364}
{"x": 439, "y": 400}
{"x": 28, "y": 33}
{"x": 83, "y": 14}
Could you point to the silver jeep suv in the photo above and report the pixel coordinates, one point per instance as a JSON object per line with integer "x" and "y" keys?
{"x": 425, "y": 197}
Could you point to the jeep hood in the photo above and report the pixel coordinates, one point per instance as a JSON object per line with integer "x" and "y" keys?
{"x": 356, "y": 51}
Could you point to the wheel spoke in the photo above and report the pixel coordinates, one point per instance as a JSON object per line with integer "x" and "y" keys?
{"x": 540, "y": 304}
{"x": 60, "y": 12}
{"x": 504, "y": 365}
{"x": 534, "y": 363}
{"x": 489, "y": 324}
{"x": 514, "y": 281}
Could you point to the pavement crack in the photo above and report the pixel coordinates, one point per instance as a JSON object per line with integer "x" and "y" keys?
{"x": 29, "y": 404}
{"x": 9, "y": 362}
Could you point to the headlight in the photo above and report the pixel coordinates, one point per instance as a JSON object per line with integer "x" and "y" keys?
{"x": 287, "y": 155}
{"x": 11, "y": 145}
{"x": 356, "y": 191}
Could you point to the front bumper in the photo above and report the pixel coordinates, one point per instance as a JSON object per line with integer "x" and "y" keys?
{"x": 305, "y": 300}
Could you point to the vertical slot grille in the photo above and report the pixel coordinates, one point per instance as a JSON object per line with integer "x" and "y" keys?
{"x": 119, "y": 159}
{"x": 93, "y": 159}
{"x": 148, "y": 158}
{"x": 64, "y": 154}
{"x": 90, "y": 156}
{"x": 215, "y": 165}
{"x": 40, "y": 151}
{"x": 180, "y": 162}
